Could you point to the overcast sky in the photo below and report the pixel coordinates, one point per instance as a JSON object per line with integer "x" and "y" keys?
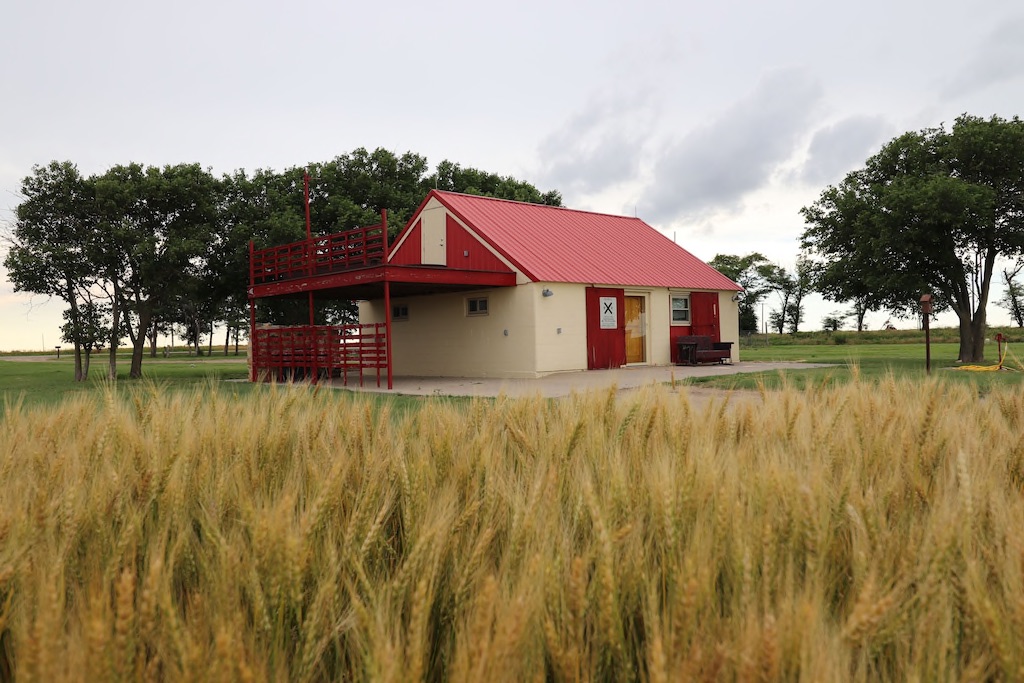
{"x": 714, "y": 122}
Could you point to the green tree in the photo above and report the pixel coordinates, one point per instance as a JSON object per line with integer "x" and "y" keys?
{"x": 156, "y": 226}
{"x": 932, "y": 211}
{"x": 833, "y": 322}
{"x": 1013, "y": 300}
{"x": 791, "y": 288}
{"x": 859, "y": 308}
{"x": 347, "y": 192}
{"x": 750, "y": 272}
{"x": 48, "y": 248}
{"x": 89, "y": 329}
{"x": 452, "y": 177}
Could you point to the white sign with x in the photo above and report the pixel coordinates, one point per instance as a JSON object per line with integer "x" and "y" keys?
{"x": 609, "y": 313}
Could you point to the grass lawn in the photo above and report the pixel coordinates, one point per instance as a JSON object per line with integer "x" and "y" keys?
{"x": 871, "y": 361}
{"x": 51, "y": 381}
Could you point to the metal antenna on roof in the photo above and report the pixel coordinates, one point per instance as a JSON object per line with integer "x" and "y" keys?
{"x": 674, "y": 236}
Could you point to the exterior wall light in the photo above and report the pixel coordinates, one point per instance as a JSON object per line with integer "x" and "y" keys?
{"x": 547, "y": 292}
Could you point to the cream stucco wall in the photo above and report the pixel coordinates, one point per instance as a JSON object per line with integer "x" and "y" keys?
{"x": 440, "y": 340}
{"x": 729, "y": 322}
{"x": 544, "y": 334}
{"x": 660, "y": 319}
{"x": 561, "y": 324}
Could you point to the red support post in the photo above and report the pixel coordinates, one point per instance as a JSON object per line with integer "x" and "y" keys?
{"x": 387, "y": 332}
{"x": 309, "y": 226}
{"x": 252, "y": 319}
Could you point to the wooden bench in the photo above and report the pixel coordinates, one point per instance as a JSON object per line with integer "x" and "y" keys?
{"x": 700, "y": 349}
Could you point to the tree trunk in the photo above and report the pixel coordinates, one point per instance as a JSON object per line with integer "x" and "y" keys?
{"x": 87, "y": 356}
{"x": 76, "y": 326}
{"x": 227, "y": 338}
{"x": 139, "y": 343}
{"x": 80, "y": 375}
{"x": 972, "y": 339}
{"x": 209, "y": 344}
{"x": 973, "y": 325}
{"x": 115, "y": 316}
{"x": 978, "y": 329}
{"x": 152, "y": 342}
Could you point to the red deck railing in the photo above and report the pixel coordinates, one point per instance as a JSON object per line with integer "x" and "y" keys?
{"x": 310, "y": 352}
{"x": 329, "y": 254}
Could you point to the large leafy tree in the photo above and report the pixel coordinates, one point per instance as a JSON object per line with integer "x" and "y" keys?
{"x": 154, "y": 235}
{"x": 931, "y": 212}
{"x": 50, "y": 242}
{"x": 750, "y": 272}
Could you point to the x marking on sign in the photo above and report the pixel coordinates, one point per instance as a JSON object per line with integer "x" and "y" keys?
{"x": 608, "y": 308}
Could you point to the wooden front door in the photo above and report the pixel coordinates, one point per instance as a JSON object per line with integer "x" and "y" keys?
{"x": 636, "y": 330}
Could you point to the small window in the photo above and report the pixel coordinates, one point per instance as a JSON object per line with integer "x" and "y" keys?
{"x": 400, "y": 312}
{"x": 680, "y": 309}
{"x": 476, "y": 306}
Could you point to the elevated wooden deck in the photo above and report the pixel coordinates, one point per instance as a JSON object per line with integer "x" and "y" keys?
{"x": 349, "y": 265}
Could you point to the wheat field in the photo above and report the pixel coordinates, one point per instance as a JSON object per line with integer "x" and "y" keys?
{"x": 868, "y": 532}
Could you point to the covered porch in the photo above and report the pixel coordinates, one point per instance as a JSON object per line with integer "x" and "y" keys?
{"x": 349, "y": 266}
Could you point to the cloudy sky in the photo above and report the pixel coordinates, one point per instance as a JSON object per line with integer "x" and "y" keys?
{"x": 714, "y": 122}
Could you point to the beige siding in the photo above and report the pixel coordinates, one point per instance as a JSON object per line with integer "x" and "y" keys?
{"x": 545, "y": 334}
{"x": 729, "y": 321}
{"x": 661, "y": 315}
{"x": 561, "y": 326}
{"x": 440, "y": 340}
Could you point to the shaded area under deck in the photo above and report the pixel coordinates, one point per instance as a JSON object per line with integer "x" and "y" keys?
{"x": 346, "y": 266}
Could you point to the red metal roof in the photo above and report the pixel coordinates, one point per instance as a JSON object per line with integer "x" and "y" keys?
{"x": 552, "y": 244}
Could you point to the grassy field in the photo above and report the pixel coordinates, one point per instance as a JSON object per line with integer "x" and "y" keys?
{"x": 862, "y": 532}
{"x": 52, "y": 380}
{"x": 49, "y": 382}
{"x": 942, "y": 335}
{"x": 872, "y": 361}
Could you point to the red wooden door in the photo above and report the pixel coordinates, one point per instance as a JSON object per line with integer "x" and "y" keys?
{"x": 704, "y": 315}
{"x": 606, "y": 336}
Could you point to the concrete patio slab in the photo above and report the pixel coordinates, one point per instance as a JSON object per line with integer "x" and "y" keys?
{"x": 565, "y": 383}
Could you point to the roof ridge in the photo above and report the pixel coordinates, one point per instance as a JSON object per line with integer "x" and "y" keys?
{"x": 541, "y": 206}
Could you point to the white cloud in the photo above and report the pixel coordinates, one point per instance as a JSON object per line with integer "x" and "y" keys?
{"x": 997, "y": 60}
{"x": 716, "y": 165}
{"x": 843, "y": 146}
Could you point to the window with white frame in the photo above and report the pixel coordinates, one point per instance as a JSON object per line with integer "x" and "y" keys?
{"x": 680, "y": 309}
{"x": 399, "y": 312}
{"x": 476, "y": 305}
